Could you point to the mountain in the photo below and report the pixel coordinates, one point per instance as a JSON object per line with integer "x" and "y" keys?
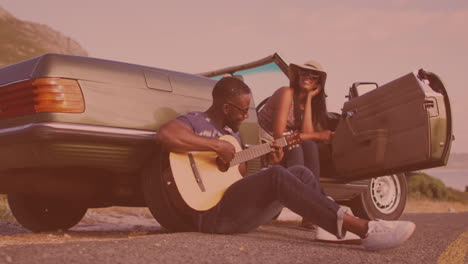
{"x": 20, "y": 40}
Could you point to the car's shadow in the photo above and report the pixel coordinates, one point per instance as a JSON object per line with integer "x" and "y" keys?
{"x": 14, "y": 234}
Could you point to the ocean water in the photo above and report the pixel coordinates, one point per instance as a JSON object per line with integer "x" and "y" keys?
{"x": 457, "y": 179}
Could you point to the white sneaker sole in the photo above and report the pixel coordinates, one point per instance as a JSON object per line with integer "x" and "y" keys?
{"x": 324, "y": 236}
{"x": 406, "y": 235}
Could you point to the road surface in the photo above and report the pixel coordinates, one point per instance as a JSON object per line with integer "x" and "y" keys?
{"x": 439, "y": 238}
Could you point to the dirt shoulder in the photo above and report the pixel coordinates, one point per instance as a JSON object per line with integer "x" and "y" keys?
{"x": 429, "y": 206}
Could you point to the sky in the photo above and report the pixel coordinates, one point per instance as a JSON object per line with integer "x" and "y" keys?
{"x": 359, "y": 40}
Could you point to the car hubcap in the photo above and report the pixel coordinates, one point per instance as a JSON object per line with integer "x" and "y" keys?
{"x": 385, "y": 193}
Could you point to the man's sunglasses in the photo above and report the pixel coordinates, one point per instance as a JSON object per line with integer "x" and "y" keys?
{"x": 242, "y": 111}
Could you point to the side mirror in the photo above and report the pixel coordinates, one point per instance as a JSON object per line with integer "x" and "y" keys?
{"x": 360, "y": 88}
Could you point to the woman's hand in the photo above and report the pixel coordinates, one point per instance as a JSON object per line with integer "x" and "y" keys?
{"x": 324, "y": 136}
{"x": 312, "y": 93}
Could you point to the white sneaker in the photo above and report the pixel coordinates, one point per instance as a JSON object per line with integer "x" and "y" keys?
{"x": 324, "y": 236}
{"x": 387, "y": 234}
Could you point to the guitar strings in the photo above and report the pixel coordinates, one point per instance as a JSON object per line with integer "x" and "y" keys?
{"x": 255, "y": 151}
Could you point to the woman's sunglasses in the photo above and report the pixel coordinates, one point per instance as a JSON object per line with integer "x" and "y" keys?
{"x": 309, "y": 74}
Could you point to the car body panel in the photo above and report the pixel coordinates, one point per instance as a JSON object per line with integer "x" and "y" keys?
{"x": 125, "y": 104}
{"x": 111, "y": 90}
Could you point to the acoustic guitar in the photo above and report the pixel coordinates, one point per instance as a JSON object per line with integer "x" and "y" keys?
{"x": 199, "y": 180}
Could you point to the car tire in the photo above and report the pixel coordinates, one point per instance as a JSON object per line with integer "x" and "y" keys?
{"x": 385, "y": 198}
{"x": 40, "y": 214}
{"x": 157, "y": 197}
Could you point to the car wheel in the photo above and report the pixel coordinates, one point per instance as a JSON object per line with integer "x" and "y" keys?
{"x": 385, "y": 198}
{"x": 40, "y": 214}
{"x": 157, "y": 197}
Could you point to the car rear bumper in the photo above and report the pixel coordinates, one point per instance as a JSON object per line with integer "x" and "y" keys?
{"x": 59, "y": 145}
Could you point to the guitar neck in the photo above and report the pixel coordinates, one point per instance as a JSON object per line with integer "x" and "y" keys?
{"x": 255, "y": 152}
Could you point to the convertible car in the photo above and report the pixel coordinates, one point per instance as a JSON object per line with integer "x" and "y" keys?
{"x": 77, "y": 133}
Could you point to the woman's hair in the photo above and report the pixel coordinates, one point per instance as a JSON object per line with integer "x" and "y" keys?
{"x": 319, "y": 107}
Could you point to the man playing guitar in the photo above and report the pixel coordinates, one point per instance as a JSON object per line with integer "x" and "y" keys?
{"x": 255, "y": 199}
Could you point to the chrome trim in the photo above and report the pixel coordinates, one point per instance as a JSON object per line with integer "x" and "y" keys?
{"x": 80, "y": 128}
{"x": 344, "y": 186}
{"x": 343, "y": 192}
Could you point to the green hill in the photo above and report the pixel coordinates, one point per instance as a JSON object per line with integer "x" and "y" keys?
{"x": 20, "y": 40}
{"x": 423, "y": 186}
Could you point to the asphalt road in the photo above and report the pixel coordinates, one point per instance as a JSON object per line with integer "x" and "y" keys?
{"x": 439, "y": 238}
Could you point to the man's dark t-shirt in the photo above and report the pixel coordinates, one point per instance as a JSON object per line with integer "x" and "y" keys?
{"x": 202, "y": 126}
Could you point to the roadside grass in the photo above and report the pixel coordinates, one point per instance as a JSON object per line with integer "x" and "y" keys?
{"x": 427, "y": 194}
{"x": 424, "y": 187}
{"x": 5, "y": 214}
{"x": 433, "y": 206}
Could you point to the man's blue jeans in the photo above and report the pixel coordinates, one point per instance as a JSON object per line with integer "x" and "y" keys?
{"x": 257, "y": 198}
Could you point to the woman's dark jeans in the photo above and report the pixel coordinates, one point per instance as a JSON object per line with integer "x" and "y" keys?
{"x": 306, "y": 154}
{"x": 256, "y": 199}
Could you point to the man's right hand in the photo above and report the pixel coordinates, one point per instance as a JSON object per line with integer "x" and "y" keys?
{"x": 225, "y": 151}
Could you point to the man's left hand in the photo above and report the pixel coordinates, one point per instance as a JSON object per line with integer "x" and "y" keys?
{"x": 276, "y": 154}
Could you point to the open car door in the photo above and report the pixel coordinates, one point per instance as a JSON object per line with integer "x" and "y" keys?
{"x": 401, "y": 126}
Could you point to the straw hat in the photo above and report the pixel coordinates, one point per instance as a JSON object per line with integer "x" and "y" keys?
{"x": 309, "y": 65}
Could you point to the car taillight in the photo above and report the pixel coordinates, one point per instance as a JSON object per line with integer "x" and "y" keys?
{"x": 52, "y": 95}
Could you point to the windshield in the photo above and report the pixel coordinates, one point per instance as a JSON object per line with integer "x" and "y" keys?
{"x": 263, "y": 80}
